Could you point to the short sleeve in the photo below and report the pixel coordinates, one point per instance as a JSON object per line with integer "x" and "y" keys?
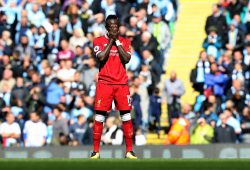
{"x": 25, "y": 129}
{"x": 17, "y": 129}
{"x": 98, "y": 46}
{"x": 43, "y": 130}
{"x": 127, "y": 46}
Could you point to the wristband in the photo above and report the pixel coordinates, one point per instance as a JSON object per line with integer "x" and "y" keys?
{"x": 118, "y": 43}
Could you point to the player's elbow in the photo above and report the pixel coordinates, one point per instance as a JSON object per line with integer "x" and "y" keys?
{"x": 101, "y": 57}
{"x": 127, "y": 59}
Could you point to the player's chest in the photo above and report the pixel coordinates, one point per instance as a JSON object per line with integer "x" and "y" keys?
{"x": 113, "y": 51}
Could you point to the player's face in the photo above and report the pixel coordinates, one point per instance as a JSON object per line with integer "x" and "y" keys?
{"x": 112, "y": 25}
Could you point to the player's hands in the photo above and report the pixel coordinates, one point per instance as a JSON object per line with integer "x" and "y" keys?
{"x": 113, "y": 35}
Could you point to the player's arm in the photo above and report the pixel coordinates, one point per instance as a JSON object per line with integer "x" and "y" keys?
{"x": 104, "y": 54}
{"x": 124, "y": 55}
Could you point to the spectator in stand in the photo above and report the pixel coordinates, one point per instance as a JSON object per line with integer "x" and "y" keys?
{"x": 235, "y": 7}
{"x": 24, "y": 49}
{"x": 237, "y": 95}
{"x": 136, "y": 109}
{"x": 53, "y": 94}
{"x": 35, "y": 131}
{"x": 224, "y": 133}
{"x": 10, "y": 131}
{"x": 135, "y": 61}
{"x": 133, "y": 24}
{"x": 154, "y": 67}
{"x": 122, "y": 10}
{"x": 19, "y": 91}
{"x": 246, "y": 53}
{"x": 234, "y": 38}
{"x": 97, "y": 25}
{"x": 42, "y": 41}
{"x": 202, "y": 133}
{"x": 209, "y": 115}
{"x": 51, "y": 9}
{"x": 35, "y": 100}
{"x": 231, "y": 121}
{"x": 218, "y": 20}
{"x": 22, "y": 28}
{"x": 237, "y": 59}
{"x": 78, "y": 39}
{"x": 247, "y": 18}
{"x": 39, "y": 44}
{"x": 245, "y": 125}
{"x": 160, "y": 30}
{"x": 80, "y": 132}
{"x": 146, "y": 75}
{"x": 74, "y": 21}
{"x": 80, "y": 109}
{"x": 6, "y": 43}
{"x": 48, "y": 75}
{"x": 215, "y": 82}
{"x": 109, "y": 7}
{"x": 225, "y": 62}
{"x": 79, "y": 57}
{"x": 213, "y": 43}
{"x": 148, "y": 42}
{"x": 36, "y": 15}
{"x": 66, "y": 73}
{"x": 240, "y": 25}
{"x": 65, "y": 53}
{"x": 31, "y": 33}
{"x": 155, "y": 110}
{"x": 216, "y": 105}
{"x": 172, "y": 92}
{"x": 197, "y": 76}
{"x": 7, "y": 80}
{"x": 140, "y": 139}
{"x": 113, "y": 134}
{"x": 6, "y": 94}
{"x": 188, "y": 114}
{"x": 53, "y": 42}
{"x": 229, "y": 105}
{"x": 60, "y": 128}
{"x": 178, "y": 133}
{"x": 89, "y": 70}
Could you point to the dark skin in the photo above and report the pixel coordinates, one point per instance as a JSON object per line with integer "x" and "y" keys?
{"x": 112, "y": 27}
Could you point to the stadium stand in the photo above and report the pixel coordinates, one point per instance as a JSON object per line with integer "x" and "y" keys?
{"x": 187, "y": 76}
{"x": 48, "y": 70}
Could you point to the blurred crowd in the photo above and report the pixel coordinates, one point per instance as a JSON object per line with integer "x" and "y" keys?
{"x": 221, "y": 113}
{"x": 48, "y": 71}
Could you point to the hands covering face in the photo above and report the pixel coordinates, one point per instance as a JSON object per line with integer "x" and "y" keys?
{"x": 113, "y": 34}
{"x": 113, "y": 29}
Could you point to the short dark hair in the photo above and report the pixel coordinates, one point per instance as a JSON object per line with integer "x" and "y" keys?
{"x": 32, "y": 26}
{"x": 111, "y": 17}
{"x": 156, "y": 90}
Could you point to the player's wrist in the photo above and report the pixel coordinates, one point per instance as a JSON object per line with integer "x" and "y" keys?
{"x": 118, "y": 43}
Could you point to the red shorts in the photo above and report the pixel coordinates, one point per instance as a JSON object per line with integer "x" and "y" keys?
{"x": 106, "y": 93}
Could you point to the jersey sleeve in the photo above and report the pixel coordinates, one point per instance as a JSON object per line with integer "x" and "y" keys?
{"x": 98, "y": 46}
{"x": 127, "y": 46}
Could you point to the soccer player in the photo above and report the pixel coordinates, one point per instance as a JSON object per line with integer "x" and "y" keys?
{"x": 113, "y": 52}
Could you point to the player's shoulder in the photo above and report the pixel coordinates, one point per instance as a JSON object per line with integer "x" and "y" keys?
{"x": 99, "y": 38}
{"x": 123, "y": 38}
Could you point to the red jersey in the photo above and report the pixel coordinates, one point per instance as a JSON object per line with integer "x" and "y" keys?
{"x": 112, "y": 71}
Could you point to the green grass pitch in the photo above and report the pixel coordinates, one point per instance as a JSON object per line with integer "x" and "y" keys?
{"x": 123, "y": 164}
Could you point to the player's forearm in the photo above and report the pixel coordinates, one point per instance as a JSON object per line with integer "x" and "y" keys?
{"x": 103, "y": 55}
{"x": 124, "y": 56}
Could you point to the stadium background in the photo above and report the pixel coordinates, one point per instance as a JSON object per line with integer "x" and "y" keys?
{"x": 54, "y": 74}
